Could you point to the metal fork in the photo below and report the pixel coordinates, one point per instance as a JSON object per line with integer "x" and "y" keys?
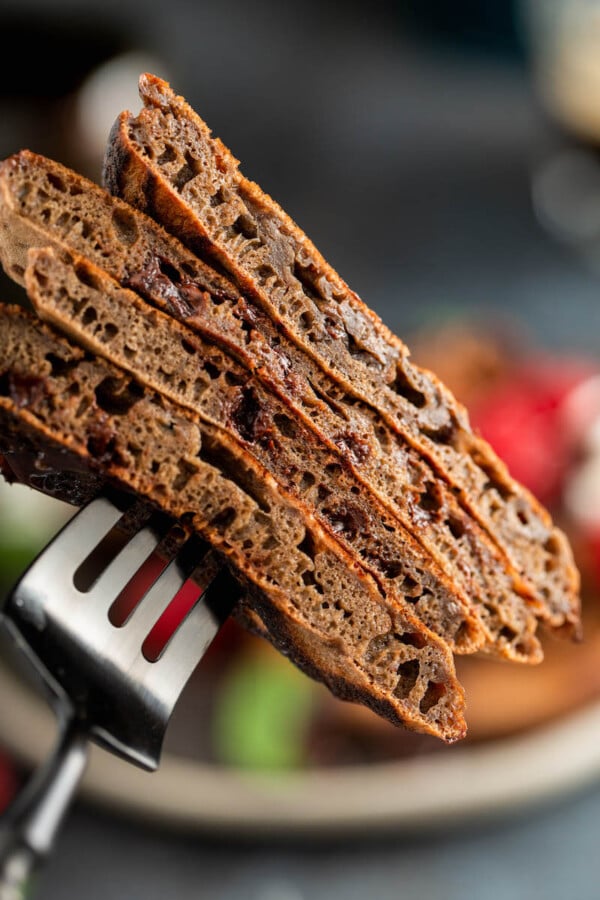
{"x": 114, "y": 615}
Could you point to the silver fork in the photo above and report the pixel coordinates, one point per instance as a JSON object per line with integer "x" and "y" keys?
{"x": 114, "y": 615}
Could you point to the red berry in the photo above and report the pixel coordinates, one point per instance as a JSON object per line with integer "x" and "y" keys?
{"x": 523, "y": 421}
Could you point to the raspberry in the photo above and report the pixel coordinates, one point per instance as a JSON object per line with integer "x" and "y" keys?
{"x": 523, "y": 419}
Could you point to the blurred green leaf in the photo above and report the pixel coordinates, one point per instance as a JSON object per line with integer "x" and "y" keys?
{"x": 263, "y": 714}
{"x": 14, "y": 559}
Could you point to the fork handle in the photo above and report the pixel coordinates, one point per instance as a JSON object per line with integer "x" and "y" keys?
{"x": 29, "y": 827}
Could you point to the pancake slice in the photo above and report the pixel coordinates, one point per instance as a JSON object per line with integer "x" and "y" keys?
{"x": 317, "y": 604}
{"x": 166, "y": 162}
{"x": 113, "y": 322}
{"x": 43, "y": 203}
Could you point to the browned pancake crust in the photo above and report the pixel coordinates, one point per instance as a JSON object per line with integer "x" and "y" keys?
{"x": 41, "y": 203}
{"x": 311, "y": 592}
{"x": 113, "y": 322}
{"x": 166, "y": 162}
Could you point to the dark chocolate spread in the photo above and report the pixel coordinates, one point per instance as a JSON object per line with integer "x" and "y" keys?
{"x": 183, "y": 296}
{"x": 356, "y": 445}
{"x": 250, "y": 419}
{"x": 348, "y": 518}
{"x": 159, "y": 279}
{"x": 23, "y": 390}
{"x": 101, "y": 439}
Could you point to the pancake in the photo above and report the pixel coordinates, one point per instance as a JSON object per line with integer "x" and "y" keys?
{"x": 42, "y": 203}
{"x": 166, "y": 162}
{"x": 187, "y": 343}
{"x": 317, "y": 605}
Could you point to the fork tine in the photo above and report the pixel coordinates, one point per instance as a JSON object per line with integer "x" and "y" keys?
{"x": 81, "y": 534}
{"x": 123, "y": 567}
{"x": 169, "y": 674}
{"x": 59, "y": 611}
{"x": 188, "y": 645}
{"x": 75, "y": 541}
{"x": 156, "y": 599}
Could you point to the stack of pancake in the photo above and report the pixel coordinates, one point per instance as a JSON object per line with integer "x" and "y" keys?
{"x": 198, "y": 351}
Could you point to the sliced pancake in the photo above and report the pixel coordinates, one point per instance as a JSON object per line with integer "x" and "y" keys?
{"x": 110, "y": 321}
{"x": 317, "y": 603}
{"x": 165, "y": 162}
{"x": 43, "y": 203}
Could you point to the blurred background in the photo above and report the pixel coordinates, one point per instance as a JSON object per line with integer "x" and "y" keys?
{"x": 444, "y": 156}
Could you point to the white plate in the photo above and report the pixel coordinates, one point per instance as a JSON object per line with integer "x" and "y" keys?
{"x": 475, "y": 781}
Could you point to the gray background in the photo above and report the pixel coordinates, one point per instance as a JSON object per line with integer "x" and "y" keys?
{"x": 409, "y": 161}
